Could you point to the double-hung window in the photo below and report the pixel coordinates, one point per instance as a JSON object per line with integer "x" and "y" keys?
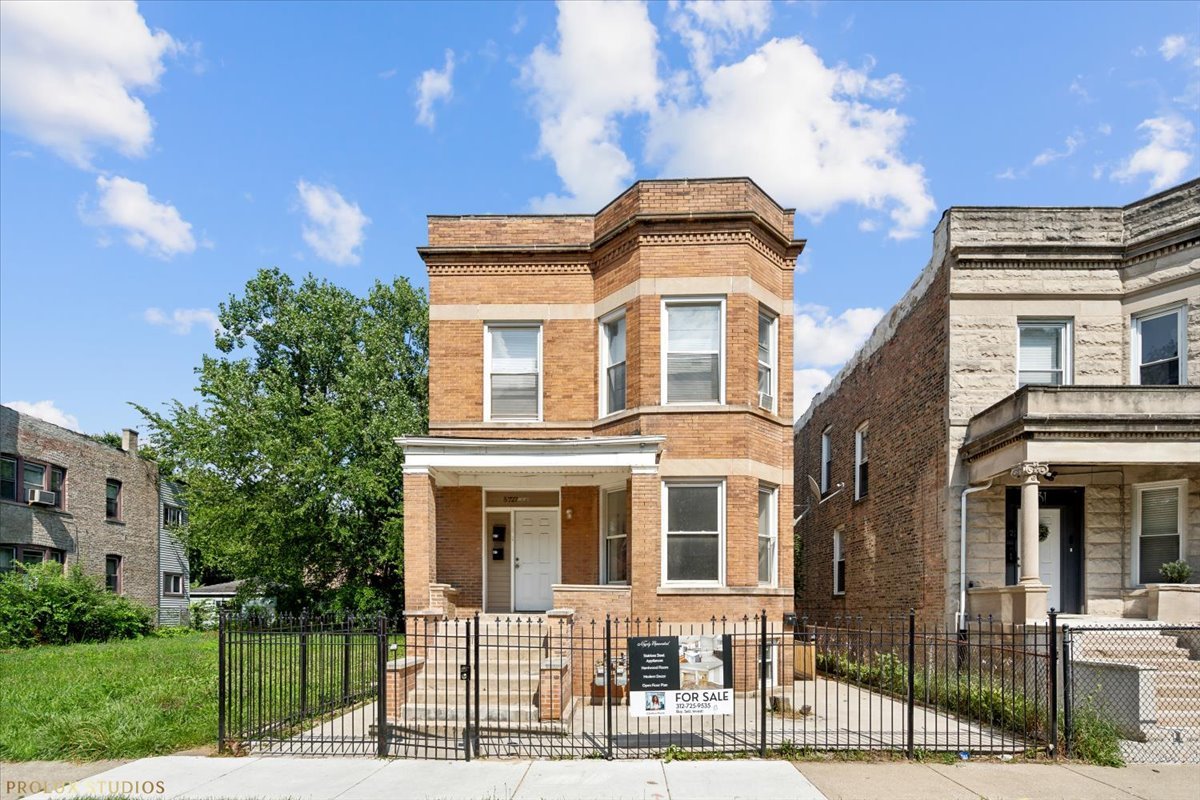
{"x": 33, "y": 476}
{"x": 172, "y": 583}
{"x": 768, "y": 337}
{"x": 1044, "y": 353}
{"x": 513, "y": 366}
{"x": 768, "y": 536}
{"x": 860, "y": 461}
{"x": 839, "y": 564}
{"x": 612, "y": 391}
{"x": 112, "y": 499}
{"x": 1159, "y": 354}
{"x": 616, "y": 536}
{"x": 826, "y": 460}
{"x": 27, "y": 554}
{"x": 693, "y": 338}
{"x": 694, "y": 532}
{"x": 1158, "y": 515}
{"x": 113, "y": 578}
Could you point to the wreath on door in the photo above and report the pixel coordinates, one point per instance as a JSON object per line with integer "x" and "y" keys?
{"x": 1043, "y": 531}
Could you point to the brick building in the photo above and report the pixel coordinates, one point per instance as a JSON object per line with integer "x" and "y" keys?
{"x": 65, "y": 497}
{"x": 1042, "y": 373}
{"x": 562, "y": 470}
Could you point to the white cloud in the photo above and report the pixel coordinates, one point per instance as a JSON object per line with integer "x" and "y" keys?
{"x": 1104, "y": 129}
{"x": 1165, "y": 156}
{"x": 149, "y": 225}
{"x": 387, "y": 74}
{"x": 806, "y": 384}
{"x": 69, "y": 71}
{"x": 868, "y": 225}
{"x": 824, "y": 340}
{"x": 1077, "y": 88}
{"x": 434, "y": 85}
{"x": 181, "y": 320}
{"x": 334, "y": 229}
{"x": 1172, "y": 46}
{"x": 804, "y": 129}
{"x": 605, "y": 65}
{"x": 1050, "y": 155}
{"x": 1009, "y": 174}
{"x": 45, "y": 410}
{"x": 708, "y": 27}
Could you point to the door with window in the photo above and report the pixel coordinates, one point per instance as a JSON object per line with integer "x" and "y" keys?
{"x": 535, "y": 559}
{"x": 1060, "y": 547}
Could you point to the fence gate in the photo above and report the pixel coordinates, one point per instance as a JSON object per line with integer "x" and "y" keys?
{"x": 556, "y": 686}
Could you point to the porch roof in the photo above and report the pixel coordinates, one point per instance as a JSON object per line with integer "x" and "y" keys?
{"x": 621, "y": 454}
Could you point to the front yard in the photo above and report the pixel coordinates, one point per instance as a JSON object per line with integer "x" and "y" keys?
{"x": 124, "y": 699}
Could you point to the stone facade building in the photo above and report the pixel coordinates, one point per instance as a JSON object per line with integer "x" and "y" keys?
{"x": 65, "y": 497}
{"x": 1042, "y": 373}
{"x": 610, "y": 409}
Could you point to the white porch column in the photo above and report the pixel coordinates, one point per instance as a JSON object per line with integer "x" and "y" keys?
{"x": 1029, "y": 472}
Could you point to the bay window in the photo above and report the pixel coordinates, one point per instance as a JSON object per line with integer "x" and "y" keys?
{"x": 768, "y": 536}
{"x": 694, "y": 530}
{"x": 612, "y": 392}
{"x": 767, "y": 341}
{"x": 693, "y": 349}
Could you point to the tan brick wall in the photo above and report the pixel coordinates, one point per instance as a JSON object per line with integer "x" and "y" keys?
{"x": 580, "y": 535}
{"x": 460, "y": 543}
{"x": 420, "y": 542}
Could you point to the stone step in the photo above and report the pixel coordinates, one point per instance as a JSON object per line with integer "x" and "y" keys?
{"x": 1189, "y": 718}
{"x": 436, "y": 712}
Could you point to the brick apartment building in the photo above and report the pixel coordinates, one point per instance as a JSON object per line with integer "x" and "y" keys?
{"x": 1049, "y": 360}
{"x": 68, "y": 498}
{"x": 562, "y": 469}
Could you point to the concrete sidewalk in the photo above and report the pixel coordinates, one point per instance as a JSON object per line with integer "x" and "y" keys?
{"x": 369, "y": 779}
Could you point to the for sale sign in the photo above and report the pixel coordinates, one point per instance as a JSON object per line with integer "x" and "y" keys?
{"x": 680, "y": 675}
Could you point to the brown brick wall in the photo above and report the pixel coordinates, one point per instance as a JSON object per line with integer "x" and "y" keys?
{"x": 460, "y": 543}
{"x": 420, "y": 545}
{"x": 893, "y": 539}
{"x": 447, "y": 231}
{"x": 580, "y": 535}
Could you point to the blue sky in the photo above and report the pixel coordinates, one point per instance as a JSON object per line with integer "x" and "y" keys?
{"x": 154, "y": 157}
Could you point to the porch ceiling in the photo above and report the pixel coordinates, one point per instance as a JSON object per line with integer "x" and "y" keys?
{"x": 459, "y": 460}
{"x": 1085, "y": 425}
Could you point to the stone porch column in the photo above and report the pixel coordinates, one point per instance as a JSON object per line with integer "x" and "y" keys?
{"x": 420, "y": 538}
{"x": 1029, "y": 472}
{"x": 645, "y": 532}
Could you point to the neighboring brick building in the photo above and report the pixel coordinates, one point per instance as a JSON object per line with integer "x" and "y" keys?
{"x": 556, "y": 445}
{"x": 68, "y": 498}
{"x": 1050, "y": 359}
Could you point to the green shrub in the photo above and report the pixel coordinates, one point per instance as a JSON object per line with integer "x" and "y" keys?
{"x": 42, "y": 604}
{"x": 1094, "y": 738}
{"x": 1176, "y": 571}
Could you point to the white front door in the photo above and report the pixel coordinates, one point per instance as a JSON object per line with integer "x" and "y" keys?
{"x": 535, "y": 559}
{"x": 1049, "y": 553}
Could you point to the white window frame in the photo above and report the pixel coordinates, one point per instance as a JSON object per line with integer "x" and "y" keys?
{"x": 718, "y": 300}
{"x": 1066, "y": 346}
{"x": 606, "y": 503}
{"x": 719, "y": 483}
{"x": 605, "y": 361}
{"x": 773, "y": 364}
{"x": 858, "y": 460}
{"x": 826, "y": 459}
{"x": 1135, "y": 339}
{"x": 772, "y": 531}
{"x": 487, "y": 370}
{"x": 1181, "y": 486}
{"x": 839, "y": 556}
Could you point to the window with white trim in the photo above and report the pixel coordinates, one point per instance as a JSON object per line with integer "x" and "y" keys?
{"x": 839, "y": 564}
{"x": 767, "y": 338}
{"x": 172, "y": 583}
{"x": 693, "y": 337}
{"x": 694, "y": 529}
{"x": 616, "y": 536}
{"x": 173, "y": 516}
{"x": 826, "y": 460}
{"x": 1159, "y": 357}
{"x": 768, "y": 536}
{"x": 860, "y": 461}
{"x": 1044, "y": 353}
{"x": 513, "y": 366}
{"x": 1158, "y": 516}
{"x": 612, "y": 393}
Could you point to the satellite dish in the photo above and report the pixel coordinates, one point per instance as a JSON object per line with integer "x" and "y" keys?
{"x": 814, "y": 488}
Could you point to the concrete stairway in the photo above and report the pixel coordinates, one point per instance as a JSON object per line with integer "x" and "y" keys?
{"x": 1174, "y": 658}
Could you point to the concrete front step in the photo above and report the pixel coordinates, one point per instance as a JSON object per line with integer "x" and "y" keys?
{"x": 436, "y": 712}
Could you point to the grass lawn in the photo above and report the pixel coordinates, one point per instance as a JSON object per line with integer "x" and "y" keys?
{"x": 124, "y": 699}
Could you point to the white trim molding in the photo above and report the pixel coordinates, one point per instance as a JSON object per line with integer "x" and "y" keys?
{"x": 596, "y": 454}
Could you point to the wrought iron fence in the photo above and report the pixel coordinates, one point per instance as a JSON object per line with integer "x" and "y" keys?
{"x": 560, "y": 686}
{"x": 1137, "y": 684}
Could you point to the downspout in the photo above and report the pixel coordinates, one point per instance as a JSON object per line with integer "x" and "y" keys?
{"x": 960, "y": 617}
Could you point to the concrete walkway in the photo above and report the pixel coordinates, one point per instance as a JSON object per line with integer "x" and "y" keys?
{"x": 369, "y": 779}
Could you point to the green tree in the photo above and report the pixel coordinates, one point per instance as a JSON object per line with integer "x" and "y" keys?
{"x": 291, "y": 476}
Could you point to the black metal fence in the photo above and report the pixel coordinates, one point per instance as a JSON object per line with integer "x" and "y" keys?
{"x": 1136, "y": 683}
{"x": 554, "y": 686}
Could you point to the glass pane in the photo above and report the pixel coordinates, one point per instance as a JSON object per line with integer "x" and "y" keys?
{"x": 764, "y": 513}
{"x": 8, "y": 557}
{"x": 693, "y": 557}
{"x": 56, "y": 479}
{"x": 33, "y": 556}
{"x": 1160, "y": 337}
{"x": 764, "y": 380}
{"x": 515, "y": 396}
{"x": 1041, "y": 347}
{"x": 615, "y": 331}
{"x": 1164, "y": 373}
{"x": 56, "y": 556}
{"x": 514, "y": 349}
{"x": 616, "y": 388}
{"x": 693, "y": 378}
{"x": 617, "y": 511}
{"x": 35, "y": 476}
{"x": 113, "y": 489}
{"x": 8, "y": 469}
{"x": 765, "y": 324}
{"x": 693, "y": 328}
{"x": 1040, "y": 378}
{"x": 692, "y": 508}
{"x": 616, "y": 555}
{"x": 863, "y": 436}
{"x": 1154, "y": 551}
{"x": 766, "y": 550}
{"x": 1160, "y": 512}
